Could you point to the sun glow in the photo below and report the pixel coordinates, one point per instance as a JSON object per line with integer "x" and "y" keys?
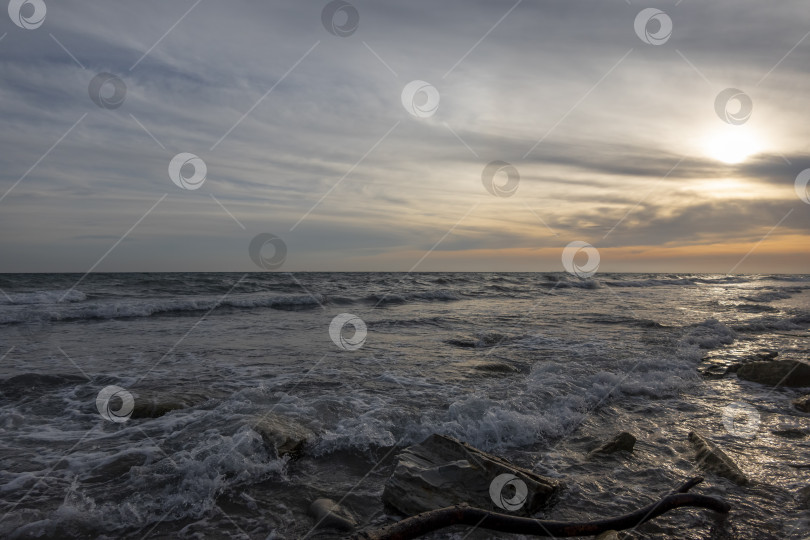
{"x": 732, "y": 144}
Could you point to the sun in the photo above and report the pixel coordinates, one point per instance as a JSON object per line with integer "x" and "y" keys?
{"x": 732, "y": 144}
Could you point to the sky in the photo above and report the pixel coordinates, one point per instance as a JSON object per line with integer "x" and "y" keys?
{"x": 396, "y": 136}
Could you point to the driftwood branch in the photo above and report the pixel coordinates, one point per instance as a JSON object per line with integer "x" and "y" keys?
{"x": 463, "y": 514}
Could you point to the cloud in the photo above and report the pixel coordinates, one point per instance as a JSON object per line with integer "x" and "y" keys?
{"x": 593, "y": 118}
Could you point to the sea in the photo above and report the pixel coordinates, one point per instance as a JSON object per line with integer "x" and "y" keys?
{"x": 537, "y": 368}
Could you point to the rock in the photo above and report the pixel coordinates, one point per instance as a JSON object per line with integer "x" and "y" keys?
{"x": 766, "y": 354}
{"x": 482, "y": 340}
{"x": 442, "y": 471}
{"x": 328, "y": 514}
{"x": 35, "y": 384}
{"x": 151, "y": 404}
{"x": 622, "y": 441}
{"x": 608, "y": 535}
{"x": 715, "y": 460}
{"x": 148, "y": 408}
{"x": 488, "y": 367}
{"x": 789, "y": 433}
{"x": 802, "y": 403}
{"x": 804, "y": 497}
{"x": 715, "y": 372}
{"x": 282, "y": 435}
{"x": 776, "y": 372}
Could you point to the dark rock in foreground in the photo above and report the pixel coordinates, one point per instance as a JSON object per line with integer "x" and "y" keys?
{"x": 282, "y": 435}
{"x": 622, "y": 442}
{"x": 802, "y": 403}
{"x": 776, "y": 372}
{"x": 328, "y": 514}
{"x": 442, "y": 471}
{"x": 712, "y": 458}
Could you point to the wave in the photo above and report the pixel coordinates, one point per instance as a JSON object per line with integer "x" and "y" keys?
{"x": 147, "y": 308}
{"x": 798, "y": 321}
{"x": 42, "y": 297}
{"x": 709, "y": 334}
{"x": 428, "y": 296}
{"x": 683, "y": 282}
{"x": 770, "y": 295}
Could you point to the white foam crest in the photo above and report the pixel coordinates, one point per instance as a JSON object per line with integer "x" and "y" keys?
{"x": 708, "y": 334}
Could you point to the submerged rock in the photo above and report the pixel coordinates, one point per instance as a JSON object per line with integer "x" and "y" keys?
{"x": 488, "y": 367}
{"x": 282, "y": 435}
{"x": 483, "y": 340}
{"x": 36, "y": 384}
{"x": 711, "y": 457}
{"x": 442, "y": 471}
{"x": 804, "y": 497}
{"x": 776, "y": 372}
{"x": 802, "y": 403}
{"x": 608, "y": 535}
{"x": 789, "y": 433}
{"x": 154, "y": 404}
{"x": 328, "y": 514}
{"x": 622, "y": 442}
{"x": 157, "y": 407}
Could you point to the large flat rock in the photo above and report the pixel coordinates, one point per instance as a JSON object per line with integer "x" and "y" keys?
{"x": 777, "y": 372}
{"x": 442, "y": 471}
{"x": 713, "y": 459}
